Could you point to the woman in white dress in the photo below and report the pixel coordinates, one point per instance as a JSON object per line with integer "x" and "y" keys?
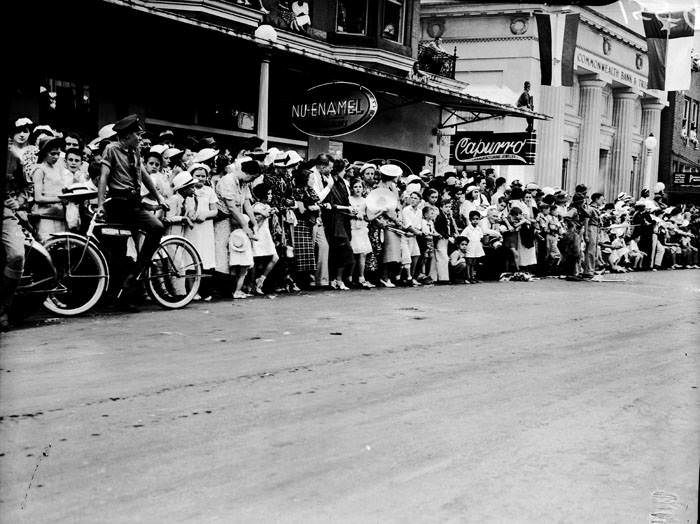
{"x": 49, "y": 179}
{"x": 264, "y": 251}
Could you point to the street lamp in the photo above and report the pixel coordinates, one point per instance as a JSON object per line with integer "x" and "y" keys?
{"x": 650, "y": 143}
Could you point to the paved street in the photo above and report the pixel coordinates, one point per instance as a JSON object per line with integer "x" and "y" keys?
{"x": 537, "y": 402}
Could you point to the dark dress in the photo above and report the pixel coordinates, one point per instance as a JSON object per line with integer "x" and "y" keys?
{"x": 336, "y": 223}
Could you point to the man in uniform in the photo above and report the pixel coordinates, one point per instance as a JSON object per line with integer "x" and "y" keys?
{"x": 122, "y": 173}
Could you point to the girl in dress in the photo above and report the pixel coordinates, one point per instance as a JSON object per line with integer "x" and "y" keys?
{"x": 49, "y": 179}
{"x": 264, "y": 253}
{"x": 527, "y": 255}
{"x": 359, "y": 240}
{"x": 201, "y": 234}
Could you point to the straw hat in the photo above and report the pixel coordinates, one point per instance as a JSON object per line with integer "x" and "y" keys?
{"x": 182, "y": 180}
{"x": 204, "y": 155}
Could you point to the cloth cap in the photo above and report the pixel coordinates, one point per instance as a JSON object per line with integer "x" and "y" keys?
{"x": 166, "y": 133}
{"x": 48, "y": 142}
{"x": 391, "y": 170}
{"x": 471, "y": 188}
{"x": 425, "y": 172}
{"x": 412, "y": 178}
{"x": 368, "y": 166}
{"x": 182, "y": 180}
{"x": 194, "y": 168}
{"x": 531, "y": 185}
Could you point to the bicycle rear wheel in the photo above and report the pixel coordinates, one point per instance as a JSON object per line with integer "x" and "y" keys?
{"x": 174, "y": 274}
{"x": 82, "y": 273}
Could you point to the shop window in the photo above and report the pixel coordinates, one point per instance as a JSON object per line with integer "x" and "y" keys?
{"x": 393, "y": 20}
{"x": 352, "y": 17}
{"x": 67, "y": 106}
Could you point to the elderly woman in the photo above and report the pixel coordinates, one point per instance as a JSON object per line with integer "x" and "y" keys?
{"x": 233, "y": 191}
{"x": 389, "y": 219}
{"x": 527, "y": 256}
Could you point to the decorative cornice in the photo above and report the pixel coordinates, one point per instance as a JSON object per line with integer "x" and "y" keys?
{"x": 485, "y": 39}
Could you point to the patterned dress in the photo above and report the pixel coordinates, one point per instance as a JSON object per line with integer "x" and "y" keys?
{"x": 304, "y": 256}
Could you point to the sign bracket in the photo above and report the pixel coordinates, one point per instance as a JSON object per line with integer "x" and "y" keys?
{"x": 474, "y": 116}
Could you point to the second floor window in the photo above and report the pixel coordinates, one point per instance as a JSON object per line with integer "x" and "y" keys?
{"x": 393, "y": 20}
{"x": 352, "y": 17}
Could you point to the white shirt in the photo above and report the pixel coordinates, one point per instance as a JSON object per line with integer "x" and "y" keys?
{"x": 412, "y": 217}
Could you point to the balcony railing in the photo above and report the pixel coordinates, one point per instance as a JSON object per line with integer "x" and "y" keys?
{"x": 435, "y": 61}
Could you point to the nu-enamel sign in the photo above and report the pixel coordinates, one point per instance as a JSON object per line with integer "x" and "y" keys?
{"x": 493, "y": 148}
{"x": 334, "y": 109}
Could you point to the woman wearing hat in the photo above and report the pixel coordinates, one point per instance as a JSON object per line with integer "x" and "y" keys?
{"x": 387, "y": 215}
{"x": 21, "y": 145}
{"x": 233, "y": 191}
{"x": 527, "y": 255}
{"x": 49, "y": 179}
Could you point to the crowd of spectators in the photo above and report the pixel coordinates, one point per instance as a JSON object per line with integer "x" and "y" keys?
{"x": 270, "y": 221}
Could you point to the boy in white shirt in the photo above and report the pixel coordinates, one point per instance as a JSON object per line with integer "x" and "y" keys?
{"x": 475, "y": 250}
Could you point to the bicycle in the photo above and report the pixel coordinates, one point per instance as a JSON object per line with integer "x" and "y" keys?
{"x": 172, "y": 278}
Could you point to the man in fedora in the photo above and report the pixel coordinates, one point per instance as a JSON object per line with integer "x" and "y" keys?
{"x": 122, "y": 174}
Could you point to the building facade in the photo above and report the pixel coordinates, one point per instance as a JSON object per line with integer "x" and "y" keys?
{"x": 679, "y": 163}
{"x": 599, "y": 125}
{"x": 220, "y": 68}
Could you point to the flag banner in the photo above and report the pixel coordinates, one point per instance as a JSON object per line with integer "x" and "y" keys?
{"x": 557, "y": 33}
{"x": 669, "y": 43}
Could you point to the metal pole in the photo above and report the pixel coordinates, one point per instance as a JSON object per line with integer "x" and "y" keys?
{"x": 264, "y": 100}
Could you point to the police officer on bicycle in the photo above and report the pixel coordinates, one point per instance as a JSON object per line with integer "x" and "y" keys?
{"x": 122, "y": 173}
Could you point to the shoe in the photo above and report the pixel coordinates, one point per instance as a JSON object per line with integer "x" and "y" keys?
{"x": 4, "y": 323}
{"x": 240, "y": 294}
{"x": 414, "y": 283}
{"x": 428, "y": 281}
{"x": 258, "y": 285}
{"x": 366, "y": 285}
{"x": 386, "y": 283}
{"x": 339, "y": 285}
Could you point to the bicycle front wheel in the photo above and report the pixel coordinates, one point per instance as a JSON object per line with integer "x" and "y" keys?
{"x": 82, "y": 272}
{"x": 175, "y": 273}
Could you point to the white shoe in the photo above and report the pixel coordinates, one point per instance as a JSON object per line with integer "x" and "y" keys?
{"x": 240, "y": 294}
{"x": 387, "y": 283}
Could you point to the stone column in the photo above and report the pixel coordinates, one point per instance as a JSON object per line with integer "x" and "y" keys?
{"x": 651, "y": 123}
{"x": 621, "y": 161}
{"x": 264, "y": 100}
{"x": 589, "y": 141}
{"x": 549, "y": 137}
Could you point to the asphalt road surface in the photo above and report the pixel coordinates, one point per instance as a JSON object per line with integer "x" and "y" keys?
{"x": 539, "y": 402}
